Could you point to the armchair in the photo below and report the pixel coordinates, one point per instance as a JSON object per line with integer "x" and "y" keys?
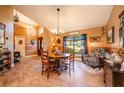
{"x": 94, "y": 59}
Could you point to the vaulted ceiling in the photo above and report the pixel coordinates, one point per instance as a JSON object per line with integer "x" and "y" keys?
{"x": 72, "y": 17}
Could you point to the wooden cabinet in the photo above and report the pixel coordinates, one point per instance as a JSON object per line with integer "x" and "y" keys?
{"x": 113, "y": 78}
{"x": 108, "y": 76}
{"x": 5, "y": 60}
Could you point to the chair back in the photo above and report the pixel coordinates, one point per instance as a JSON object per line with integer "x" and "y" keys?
{"x": 72, "y": 57}
{"x": 44, "y": 56}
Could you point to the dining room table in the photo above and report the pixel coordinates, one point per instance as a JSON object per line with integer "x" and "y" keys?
{"x": 59, "y": 58}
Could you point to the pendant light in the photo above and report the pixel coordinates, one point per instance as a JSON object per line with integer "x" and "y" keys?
{"x": 16, "y": 17}
{"x": 58, "y": 28}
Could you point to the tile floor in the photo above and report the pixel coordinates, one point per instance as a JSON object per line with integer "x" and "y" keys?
{"x": 28, "y": 74}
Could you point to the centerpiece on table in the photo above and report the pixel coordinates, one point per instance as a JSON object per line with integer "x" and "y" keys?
{"x": 56, "y": 51}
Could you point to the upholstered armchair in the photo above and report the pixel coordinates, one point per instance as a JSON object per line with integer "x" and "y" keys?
{"x": 93, "y": 59}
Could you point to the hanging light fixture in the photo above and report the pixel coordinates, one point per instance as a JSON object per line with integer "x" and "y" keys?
{"x": 58, "y": 28}
{"x": 16, "y": 17}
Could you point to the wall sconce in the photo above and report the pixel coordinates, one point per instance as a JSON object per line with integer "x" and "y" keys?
{"x": 53, "y": 44}
{"x": 92, "y": 44}
{"x": 16, "y": 18}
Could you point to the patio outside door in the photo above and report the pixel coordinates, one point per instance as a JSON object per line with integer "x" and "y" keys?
{"x": 20, "y": 45}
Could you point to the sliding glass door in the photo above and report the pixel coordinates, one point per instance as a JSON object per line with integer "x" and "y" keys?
{"x": 76, "y": 44}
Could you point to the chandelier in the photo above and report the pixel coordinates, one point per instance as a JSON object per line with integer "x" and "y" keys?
{"x": 58, "y": 34}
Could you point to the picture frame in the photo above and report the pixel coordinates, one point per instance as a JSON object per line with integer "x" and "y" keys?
{"x": 2, "y": 33}
{"x": 95, "y": 39}
{"x": 110, "y": 35}
{"x": 121, "y": 30}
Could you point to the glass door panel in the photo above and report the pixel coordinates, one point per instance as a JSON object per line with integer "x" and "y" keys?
{"x": 77, "y": 47}
{"x": 68, "y": 45}
{"x": 76, "y": 44}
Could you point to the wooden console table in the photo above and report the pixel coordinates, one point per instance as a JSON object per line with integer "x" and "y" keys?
{"x": 112, "y": 77}
{"x": 5, "y": 59}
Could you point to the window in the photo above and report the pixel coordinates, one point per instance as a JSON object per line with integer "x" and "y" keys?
{"x": 76, "y": 44}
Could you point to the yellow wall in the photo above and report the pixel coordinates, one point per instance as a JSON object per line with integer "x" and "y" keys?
{"x": 48, "y": 38}
{"x": 114, "y": 21}
{"x": 93, "y": 32}
{"x": 20, "y": 30}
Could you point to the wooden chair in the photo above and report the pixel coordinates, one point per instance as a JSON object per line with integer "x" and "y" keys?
{"x": 46, "y": 63}
{"x": 70, "y": 63}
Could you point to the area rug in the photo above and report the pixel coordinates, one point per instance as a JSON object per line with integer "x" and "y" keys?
{"x": 91, "y": 70}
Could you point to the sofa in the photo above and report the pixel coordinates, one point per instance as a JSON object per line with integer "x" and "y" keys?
{"x": 95, "y": 59}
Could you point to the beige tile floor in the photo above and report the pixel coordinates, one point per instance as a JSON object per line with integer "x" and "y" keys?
{"x": 28, "y": 74}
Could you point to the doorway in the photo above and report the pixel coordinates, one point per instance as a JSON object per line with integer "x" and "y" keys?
{"x": 39, "y": 45}
{"x": 20, "y": 45}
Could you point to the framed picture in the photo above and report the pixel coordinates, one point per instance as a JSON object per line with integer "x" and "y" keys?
{"x": 95, "y": 39}
{"x": 121, "y": 30}
{"x": 110, "y": 36}
{"x": 2, "y": 33}
{"x": 20, "y": 42}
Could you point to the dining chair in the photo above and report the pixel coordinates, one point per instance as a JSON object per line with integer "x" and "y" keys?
{"x": 70, "y": 63}
{"x": 47, "y": 65}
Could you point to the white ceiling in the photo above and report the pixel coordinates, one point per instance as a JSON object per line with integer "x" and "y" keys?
{"x": 72, "y": 18}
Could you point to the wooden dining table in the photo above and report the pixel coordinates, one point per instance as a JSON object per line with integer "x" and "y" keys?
{"x": 58, "y": 57}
